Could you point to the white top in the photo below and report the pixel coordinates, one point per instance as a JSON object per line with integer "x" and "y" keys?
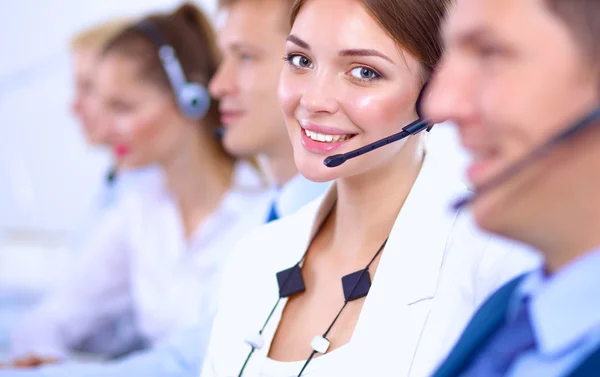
{"x": 138, "y": 260}
{"x": 182, "y": 355}
{"x": 434, "y": 272}
{"x": 109, "y": 194}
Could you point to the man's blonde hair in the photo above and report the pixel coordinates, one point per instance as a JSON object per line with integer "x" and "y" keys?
{"x": 228, "y": 3}
{"x": 285, "y": 21}
{"x": 98, "y": 35}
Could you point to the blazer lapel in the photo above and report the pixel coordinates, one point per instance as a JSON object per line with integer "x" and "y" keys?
{"x": 483, "y": 325}
{"x": 398, "y": 304}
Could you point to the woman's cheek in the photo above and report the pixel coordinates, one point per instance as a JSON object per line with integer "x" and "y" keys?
{"x": 288, "y": 92}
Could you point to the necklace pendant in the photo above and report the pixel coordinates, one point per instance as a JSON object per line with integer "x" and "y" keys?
{"x": 356, "y": 285}
{"x": 255, "y": 341}
{"x": 290, "y": 281}
{"x": 320, "y": 344}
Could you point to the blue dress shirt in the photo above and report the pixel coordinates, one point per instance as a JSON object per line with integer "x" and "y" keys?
{"x": 273, "y": 213}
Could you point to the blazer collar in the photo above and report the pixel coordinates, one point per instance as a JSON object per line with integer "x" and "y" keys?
{"x": 413, "y": 255}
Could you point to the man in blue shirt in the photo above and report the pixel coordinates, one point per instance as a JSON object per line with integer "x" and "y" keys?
{"x": 516, "y": 78}
{"x": 252, "y": 40}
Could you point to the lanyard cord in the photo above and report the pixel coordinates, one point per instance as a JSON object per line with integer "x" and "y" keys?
{"x": 287, "y": 280}
{"x": 314, "y": 352}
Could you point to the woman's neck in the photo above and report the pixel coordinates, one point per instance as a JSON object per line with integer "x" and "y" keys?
{"x": 198, "y": 177}
{"x": 368, "y": 204}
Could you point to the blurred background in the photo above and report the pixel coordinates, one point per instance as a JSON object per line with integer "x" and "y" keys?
{"x": 48, "y": 175}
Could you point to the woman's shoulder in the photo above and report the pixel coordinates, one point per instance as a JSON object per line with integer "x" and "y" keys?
{"x": 468, "y": 244}
{"x": 285, "y": 234}
{"x": 488, "y": 260}
{"x": 304, "y": 218}
{"x": 249, "y": 281}
{"x": 469, "y": 241}
{"x": 266, "y": 250}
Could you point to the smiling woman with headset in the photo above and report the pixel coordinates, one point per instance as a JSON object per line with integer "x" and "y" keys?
{"x": 379, "y": 277}
{"x": 158, "y": 254}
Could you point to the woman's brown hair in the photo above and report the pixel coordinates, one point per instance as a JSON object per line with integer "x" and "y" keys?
{"x": 413, "y": 24}
{"x": 192, "y": 37}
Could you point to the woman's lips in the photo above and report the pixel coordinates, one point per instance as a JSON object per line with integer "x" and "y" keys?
{"x": 121, "y": 150}
{"x": 323, "y": 143}
{"x": 227, "y": 117}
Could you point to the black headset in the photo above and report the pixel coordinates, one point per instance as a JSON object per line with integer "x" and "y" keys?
{"x": 192, "y": 98}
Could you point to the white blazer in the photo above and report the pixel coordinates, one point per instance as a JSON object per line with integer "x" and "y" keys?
{"x": 138, "y": 261}
{"x": 435, "y": 271}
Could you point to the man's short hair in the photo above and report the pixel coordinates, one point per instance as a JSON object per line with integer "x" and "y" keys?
{"x": 228, "y": 3}
{"x": 224, "y": 4}
{"x": 582, "y": 17}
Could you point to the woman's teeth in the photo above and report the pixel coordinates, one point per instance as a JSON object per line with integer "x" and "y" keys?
{"x": 326, "y": 138}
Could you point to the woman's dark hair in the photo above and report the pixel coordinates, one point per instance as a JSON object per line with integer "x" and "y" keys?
{"x": 413, "y": 24}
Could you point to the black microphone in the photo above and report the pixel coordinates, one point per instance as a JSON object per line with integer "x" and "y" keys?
{"x": 531, "y": 157}
{"x": 412, "y": 129}
{"x": 219, "y": 133}
{"x": 111, "y": 176}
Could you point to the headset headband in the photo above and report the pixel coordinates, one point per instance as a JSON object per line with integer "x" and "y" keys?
{"x": 166, "y": 54}
{"x": 192, "y": 98}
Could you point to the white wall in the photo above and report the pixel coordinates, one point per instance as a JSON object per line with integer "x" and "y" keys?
{"x": 47, "y": 174}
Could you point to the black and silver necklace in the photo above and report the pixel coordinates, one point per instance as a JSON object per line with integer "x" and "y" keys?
{"x": 355, "y": 285}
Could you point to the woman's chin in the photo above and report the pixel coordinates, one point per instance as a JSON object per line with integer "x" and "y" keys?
{"x": 313, "y": 169}
{"x": 318, "y": 177}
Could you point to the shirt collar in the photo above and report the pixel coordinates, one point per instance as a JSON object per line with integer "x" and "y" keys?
{"x": 149, "y": 176}
{"x": 296, "y": 193}
{"x": 564, "y": 308}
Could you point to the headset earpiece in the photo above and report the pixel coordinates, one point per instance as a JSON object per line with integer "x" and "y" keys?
{"x": 419, "y": 104}
{"x": 192, "y": 98}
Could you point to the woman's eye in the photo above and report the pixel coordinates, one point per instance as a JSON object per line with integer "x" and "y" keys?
{"x": 364, "y": 73}
{"x": 300, "y": 61}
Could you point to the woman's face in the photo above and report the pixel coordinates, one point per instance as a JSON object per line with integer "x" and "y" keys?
{"x": 143, "y": 122}
{"x": 84, "y": 104}
{"x": 347, "y": 84}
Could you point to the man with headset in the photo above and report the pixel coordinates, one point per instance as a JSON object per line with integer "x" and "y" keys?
{"x": 522, "y": 81}
{"x": 252, "y": 40}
